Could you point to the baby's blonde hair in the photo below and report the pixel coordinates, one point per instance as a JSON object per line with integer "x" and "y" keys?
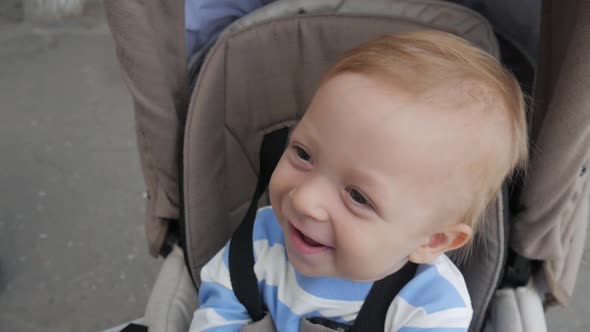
{"x": 424, "y": 59}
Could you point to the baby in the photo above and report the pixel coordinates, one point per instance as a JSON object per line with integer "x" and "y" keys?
{"x": 407, "y": 140}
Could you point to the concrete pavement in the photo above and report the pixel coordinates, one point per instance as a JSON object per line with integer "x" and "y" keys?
{"x": 72, "y": 248}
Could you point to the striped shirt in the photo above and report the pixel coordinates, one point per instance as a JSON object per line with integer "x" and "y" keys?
{"x": 435, "y": 299}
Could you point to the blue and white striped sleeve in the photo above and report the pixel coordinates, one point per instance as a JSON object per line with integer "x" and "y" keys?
{"x": 219, "y": 309}
{"x": 435, "y": 300}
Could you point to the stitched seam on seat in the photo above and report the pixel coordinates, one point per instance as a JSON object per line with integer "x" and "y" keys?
{"x": 177, "y": 286}
{"x": 491, "y": 287}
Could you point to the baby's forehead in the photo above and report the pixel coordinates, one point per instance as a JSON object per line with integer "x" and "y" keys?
{"x": 458, "y": 111}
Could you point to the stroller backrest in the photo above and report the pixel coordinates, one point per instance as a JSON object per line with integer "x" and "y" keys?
{"x": 261, "y": 75}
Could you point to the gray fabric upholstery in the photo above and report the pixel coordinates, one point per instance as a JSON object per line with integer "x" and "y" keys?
{"x": 435, "y": 14}
{"x": 264, "y": 325}
{"x": 483, "y": 269}
{"x": 307, "y": 326}
{"x": 173, "y": 299}
{"x": 516, "y": 310}
{"x": 516, "y": 20}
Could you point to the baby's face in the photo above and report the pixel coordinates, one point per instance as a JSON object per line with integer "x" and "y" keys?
{"x": 369, "y": 175}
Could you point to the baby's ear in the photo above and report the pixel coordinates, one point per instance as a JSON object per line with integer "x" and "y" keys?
{"x": 452, "y": 237}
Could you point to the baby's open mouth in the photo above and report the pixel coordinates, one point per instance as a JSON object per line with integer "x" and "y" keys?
{"x": 309, "y": 241}
{"x": 304, "y": 243}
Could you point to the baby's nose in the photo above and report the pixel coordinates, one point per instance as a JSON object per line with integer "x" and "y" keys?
{"x": 309, "y": 201}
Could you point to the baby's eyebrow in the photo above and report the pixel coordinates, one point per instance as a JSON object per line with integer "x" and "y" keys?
{"x": 292, "y": 129}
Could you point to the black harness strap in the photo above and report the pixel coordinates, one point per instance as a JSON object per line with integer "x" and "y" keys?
{"x": 135, "y": 328}
{"x": 241, "y": 252}
{"x": 371, "y": 317}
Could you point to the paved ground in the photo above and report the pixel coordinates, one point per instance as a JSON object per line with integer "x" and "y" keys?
{"x": 72, "y": 249}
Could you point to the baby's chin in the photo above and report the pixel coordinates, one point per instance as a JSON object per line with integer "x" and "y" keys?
{"x": 349, "y": 273}
{"x": 309, "y": 271}
{"x": 369, "y": 276}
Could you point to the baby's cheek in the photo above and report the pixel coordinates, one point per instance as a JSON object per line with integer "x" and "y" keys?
{"x": 355, "y": 261}
{"x": 277, "y": 183}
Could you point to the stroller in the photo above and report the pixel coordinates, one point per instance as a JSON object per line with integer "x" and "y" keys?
{"x": 200, "y": 125}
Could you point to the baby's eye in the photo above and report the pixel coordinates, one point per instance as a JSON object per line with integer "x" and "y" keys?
{"x": 357, "y": 196}
{"x": 302, "y": 154}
